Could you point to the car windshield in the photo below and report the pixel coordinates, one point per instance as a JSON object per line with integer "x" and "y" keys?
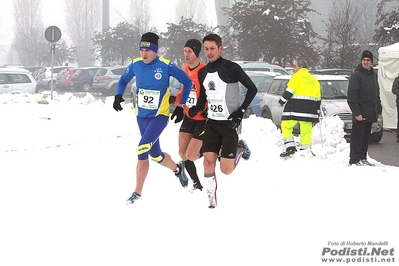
{"x": 334, "y": 89}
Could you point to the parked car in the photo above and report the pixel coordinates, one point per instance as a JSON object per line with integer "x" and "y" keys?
{"x": 68, "y": 76}
{"x": 174, "y": 86}
{"x": 61, "y": 78}
{"x": 12, "y": 66}
{"x": 44, "y": 76}
{"x": 32, "y": 69}
{"x": 262, "y": 66}
{"x": 64, "y": 78}
{"x": 262, "y": 80}
{"x": 17, "y": 80}
{"x": 82, "y": 79}
{"x": 106, "y": 79}
{"x": 334, "y": 91}
{"x": 334, "y": 71}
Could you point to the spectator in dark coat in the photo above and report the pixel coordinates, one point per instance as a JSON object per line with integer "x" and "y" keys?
{"x": 395, "y": 90}
{"x": 365, "y": 104}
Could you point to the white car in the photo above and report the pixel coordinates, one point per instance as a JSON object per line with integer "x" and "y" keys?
{"x": 106, "y": 79}
{"x": 17, "y": 80}
{"x": 334, "y": 92}
{"x": 44, "y": 76}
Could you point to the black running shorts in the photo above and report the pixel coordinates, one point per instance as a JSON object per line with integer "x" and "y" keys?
{"x": 194, "y": 127}
{"x": 218, "y": 135}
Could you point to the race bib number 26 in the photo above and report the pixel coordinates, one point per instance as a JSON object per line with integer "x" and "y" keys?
{"x": 216, "y": 109}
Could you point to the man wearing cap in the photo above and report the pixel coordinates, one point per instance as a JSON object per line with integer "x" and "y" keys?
{"x": 301, "y": 101}
{"x": 152, "y": 108}
{"x": 365, "y": 104}
{"x": 192, "y": 128}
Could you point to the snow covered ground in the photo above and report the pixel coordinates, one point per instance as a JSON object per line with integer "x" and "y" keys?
{"x": 68, "y": 164}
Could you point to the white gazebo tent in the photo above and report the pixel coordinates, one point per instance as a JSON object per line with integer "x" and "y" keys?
{"x": 388, "y": 70}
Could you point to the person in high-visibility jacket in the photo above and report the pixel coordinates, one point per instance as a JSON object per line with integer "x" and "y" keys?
{"x": 301, "y": 101}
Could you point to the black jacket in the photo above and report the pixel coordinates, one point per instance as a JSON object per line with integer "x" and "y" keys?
{"x": 364, "y": 94}
{"x": 395, "y": 88}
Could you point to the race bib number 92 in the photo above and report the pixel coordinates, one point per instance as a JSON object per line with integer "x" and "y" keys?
{"x": 148, "y": 99}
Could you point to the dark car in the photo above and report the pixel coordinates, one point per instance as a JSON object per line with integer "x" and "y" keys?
{"x": 82, "y": 79}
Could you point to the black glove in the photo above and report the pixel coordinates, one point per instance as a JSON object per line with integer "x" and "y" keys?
{"x": 193, "y": 111}
{"x": 178, "y": 112}
{"x": 236, "y": 118}
{"x": 117, "y": 102}
{"x": 172, "y": 99}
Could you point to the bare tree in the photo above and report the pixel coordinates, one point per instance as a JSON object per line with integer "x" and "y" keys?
{"x": 82, "y": 20}
{"x": 191, "y": 9}
{"x": 366, "y": 22}
{"x": 140, "y": 15}
{"x": 29, "y": 39}
{"x": 341, "y": 46}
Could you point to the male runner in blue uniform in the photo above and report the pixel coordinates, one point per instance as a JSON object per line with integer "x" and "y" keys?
{"x": 152, "y": 89}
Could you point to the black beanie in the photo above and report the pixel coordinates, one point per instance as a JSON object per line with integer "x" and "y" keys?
{"x": 195, "y": 45}
{"x": 367, "y": 54}
{"x": 149, "y": 41}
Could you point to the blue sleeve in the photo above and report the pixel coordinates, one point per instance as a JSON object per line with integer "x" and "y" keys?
{"x": 125, "y": 79}
{"x": 184, "y": 79}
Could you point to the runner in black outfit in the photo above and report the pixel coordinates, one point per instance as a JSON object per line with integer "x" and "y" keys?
{"x": 219, "y": 81}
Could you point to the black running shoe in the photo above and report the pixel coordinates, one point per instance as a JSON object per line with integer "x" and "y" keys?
{"x": 289, "y": 151}
{"x": 196, "y": 186}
